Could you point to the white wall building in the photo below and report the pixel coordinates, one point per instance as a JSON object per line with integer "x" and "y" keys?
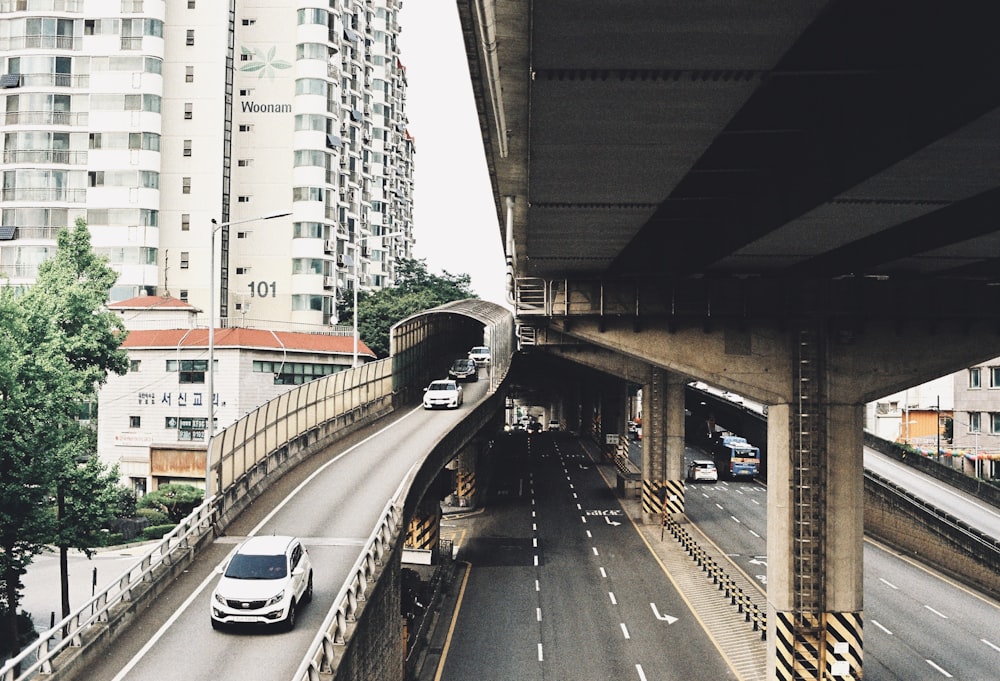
{"x": 150, "y": 119}
{"x": 161, "y": 404}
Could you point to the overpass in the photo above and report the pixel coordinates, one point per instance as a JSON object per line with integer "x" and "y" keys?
{"x": 794, "y": 202}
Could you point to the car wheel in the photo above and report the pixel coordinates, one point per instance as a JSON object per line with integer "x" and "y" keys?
{"x": 307, "y": 596}
{"x": 290, "y": 618}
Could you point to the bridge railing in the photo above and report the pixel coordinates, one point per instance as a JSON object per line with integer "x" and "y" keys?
{"x": 71, "y": 632}
{"x": 260, "y": 444}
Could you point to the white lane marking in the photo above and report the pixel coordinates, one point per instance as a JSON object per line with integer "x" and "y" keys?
{"x": 595, "y": 551}
{"x": 536, "y": 560}
{"x": 534, "y": 527}
{"x": 719, "y": 506}
{"x": 735, "y": 518}
{"x": 888, "y": 584}
{"x": 213, "y": 575}
{"x": 604, "y": 575}
{"x": 625, "y": 631}
{"x": 589, "y": 536}
{"x": 541, "y": 658}
{"x": 669, "y": 619}
{"x": 943, "y": 488}
{"x": 755, "y": 534}
{"x": 534, "y": 542}
{"x": 881, "y": 627}
{"x": 755, "y": 501}
{"x": 583, "y": 518}
{"x": 579, "y": 507}
{"x": 612, "y": 522}
{"x": 946, "y": 674}
{"x": 704, "y": 495}
{"x": 538, "y": 614}
{"x": 538, "y": 587}
{"x": 642, "y": 674}
{"x": 991, "y": 645}
{"x": 532, "y": 514}
{"x": 611, "y": 595}
{"x": 939, "y": 614}
{"x": 574, "y": 495}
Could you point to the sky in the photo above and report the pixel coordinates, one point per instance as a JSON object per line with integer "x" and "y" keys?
{"x": 455, "y": 220}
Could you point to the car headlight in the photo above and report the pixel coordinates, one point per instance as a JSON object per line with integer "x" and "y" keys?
{"x": 220, "y": 598}
{"x": 275, "y": 599}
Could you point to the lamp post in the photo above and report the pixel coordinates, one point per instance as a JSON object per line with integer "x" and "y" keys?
{"x": 210, "y": 425}
{"x": 357, "y": 281}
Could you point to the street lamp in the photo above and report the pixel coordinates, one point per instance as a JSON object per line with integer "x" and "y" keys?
{"x": 357, "y": 281}
{"x": 210, "y": 425}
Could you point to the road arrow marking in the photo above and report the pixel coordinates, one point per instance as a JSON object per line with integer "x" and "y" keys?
{"x": 669, "y": 619}
{"x": 611, "y": 522}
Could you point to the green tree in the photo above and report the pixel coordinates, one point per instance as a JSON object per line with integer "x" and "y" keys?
{"x": 175, "y": 499}
{"x": 57, "y": 345}
{"x": 415, "y": 290}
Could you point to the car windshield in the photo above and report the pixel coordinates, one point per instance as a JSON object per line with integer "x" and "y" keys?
{"x": 480, "y": 350}
{"x": 244, "y": 566}
{"x": 461, "y": 364}
{"x": 442, "y": 386}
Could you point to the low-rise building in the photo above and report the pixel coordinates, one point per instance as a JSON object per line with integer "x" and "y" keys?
{"x": 162, "y": 403}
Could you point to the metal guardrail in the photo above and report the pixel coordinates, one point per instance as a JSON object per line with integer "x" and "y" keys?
{"x": 333, "y": 633}
{"x": 38, "y": 656}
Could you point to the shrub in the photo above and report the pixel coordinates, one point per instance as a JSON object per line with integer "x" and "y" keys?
{"x": 155, "y": 531}
{"x": 154, "y": 516}
{"x": 176, "y": 500}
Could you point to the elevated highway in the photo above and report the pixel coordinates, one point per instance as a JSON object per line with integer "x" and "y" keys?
{"x": 792, "y": 202}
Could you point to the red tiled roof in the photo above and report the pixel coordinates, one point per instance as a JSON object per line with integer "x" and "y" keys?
{"x": 149, "y": 302}
{"x": 244, "y": 338}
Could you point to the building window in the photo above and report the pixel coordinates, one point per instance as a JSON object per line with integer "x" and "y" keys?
{"x": 248, "y": 22}
{"x": 975, "y": 379}
{"x": 185, "y": 185}
{"x": 188, "y": 74}
{"x": 190, "y": 37}
{"x": 184, "y": 295}
{"x": 242, "y": 270}
{"x": 185, "y": 222}
{"x": 185, "y": 259}
{"x": 187, "y": 147}
{"x": 243, "y": 235}
{"x": 974, "y": 422}
{"x": 189, "y": 370}
{"x": 244, "y": 162}
{"x": 191, "y": 4}
{"x": 188, "y": 111}
{"x": 994, "y": 422}
{"x": 995, "y": 377}
{"x": 246, "y": 92}
{"x": 133, "y": 364}
{"x": 134, "y": 422}
{"x": 243, "y": 199}
{"x": 246, "y": 127}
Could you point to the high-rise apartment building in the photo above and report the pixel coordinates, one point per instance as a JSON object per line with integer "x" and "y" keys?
{"x": 151, "y": 119}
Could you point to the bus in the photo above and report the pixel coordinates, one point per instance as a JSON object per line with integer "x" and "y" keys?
{"x": 735, "y": 457}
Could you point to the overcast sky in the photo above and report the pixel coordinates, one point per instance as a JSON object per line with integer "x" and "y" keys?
{"x": 455, "y": 221}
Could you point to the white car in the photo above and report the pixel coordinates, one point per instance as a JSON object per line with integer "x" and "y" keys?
{"x": 446, "y": 394}
{"x": 265, "y": 581}
{"x": 702, "y": 469}
{"x": 481, "y": 354}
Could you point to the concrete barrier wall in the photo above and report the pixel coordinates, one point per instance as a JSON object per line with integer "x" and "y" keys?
{"x": 915, "y": 528}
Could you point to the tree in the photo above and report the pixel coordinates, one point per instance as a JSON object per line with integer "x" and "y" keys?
{"x": 177, "y": 500}
{"x": 57, "y": 345}
{"x": 415, "y": 290}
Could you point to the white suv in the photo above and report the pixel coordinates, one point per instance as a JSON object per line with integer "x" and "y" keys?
{"x": 267, "y": 578}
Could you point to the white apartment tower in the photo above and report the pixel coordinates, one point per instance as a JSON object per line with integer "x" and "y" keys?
{"x": 156, "y": 120}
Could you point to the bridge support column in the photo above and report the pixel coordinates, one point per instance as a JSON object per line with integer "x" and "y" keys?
{"x": 424, "y": 530}
{"x": 815, "y": 526}
{"x": 662, "y": 445}
{"x": 466, "y": 492}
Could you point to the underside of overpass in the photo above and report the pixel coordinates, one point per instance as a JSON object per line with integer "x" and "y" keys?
{"x": 795, "y": 201}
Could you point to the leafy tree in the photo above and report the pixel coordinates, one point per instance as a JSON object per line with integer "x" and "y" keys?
{"x": 415, "y": 290}
{"x": 175, "y": 499}
{"x": 57, "y": 345}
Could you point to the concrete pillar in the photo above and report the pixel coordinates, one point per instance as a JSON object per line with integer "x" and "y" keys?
{"x": 815, "y": 597}
{"x": 662, "y": 445}
{"x": 466, "y": 491}
{"x": 614, "y": 403}
{"x": 425, "y": 527}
